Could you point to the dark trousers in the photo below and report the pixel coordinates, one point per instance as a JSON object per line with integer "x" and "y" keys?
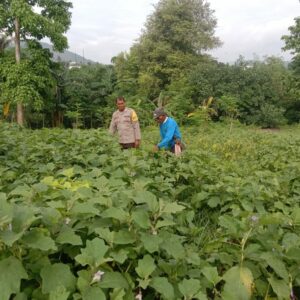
{"x": 127, "y": 146}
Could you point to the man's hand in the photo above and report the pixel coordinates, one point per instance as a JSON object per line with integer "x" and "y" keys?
{"x": 137, "y": 143}
{"x": 155, "y": 149}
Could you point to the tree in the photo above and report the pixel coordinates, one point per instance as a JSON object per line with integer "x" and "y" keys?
{"x": 30, "y": 79}
{"x": 34, "y": 19}
{"x": 292, "y": 42}
{"x": 87, "y": 95}
{"x": 175, "y": 38}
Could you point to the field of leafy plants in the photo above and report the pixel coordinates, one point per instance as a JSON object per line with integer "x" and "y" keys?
{"x": 80, "y": 219}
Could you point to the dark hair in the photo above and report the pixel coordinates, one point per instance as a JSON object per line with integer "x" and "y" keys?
{"x": 120, "y": 98}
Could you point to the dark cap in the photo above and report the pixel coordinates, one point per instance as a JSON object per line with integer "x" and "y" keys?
{"x": 158, "y": 112}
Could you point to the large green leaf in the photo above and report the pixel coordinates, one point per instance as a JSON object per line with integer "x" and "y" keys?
{"x": 37, "y": 240}
{"x": 276, "y": 264}
{"x": 117, "y": 294}
{"x": 148, "y": 198}
{"x": 93, "y": 293}
{"x": 113, "y": 280}
{"x": 172, "y": 208}
{"x": 151, "y": 242}
{"x": 141, "y": 218}
{"x": 93, "y": 254}
{"x": 280, "y": 288}
{"x": 189, "y": 288}
{"x": 68, "y": 236}
{"x": 84, "y": 208}
{"x": 124, "y": 237}
{"x": 57, "y": 275}
{"x": 60, "y": 293}
{"x": 146, "y": 267}
{"x": 163, "y": 287}
{"x": 11, "y": 273}
{"x": 238, "y": 284}
{"x": 116, "y": 213}
{"x": 211, "y": 273}
{"x": 174, "y": 248}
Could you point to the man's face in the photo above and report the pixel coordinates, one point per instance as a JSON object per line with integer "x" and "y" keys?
{"x": 160, "y": 119}
{"x": 121, "y": 105}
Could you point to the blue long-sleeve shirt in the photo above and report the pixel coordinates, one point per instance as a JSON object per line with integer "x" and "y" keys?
{"x": 169, "y": 131}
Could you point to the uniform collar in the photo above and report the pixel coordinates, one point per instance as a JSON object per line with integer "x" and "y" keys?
{"x": 165, "y": 120}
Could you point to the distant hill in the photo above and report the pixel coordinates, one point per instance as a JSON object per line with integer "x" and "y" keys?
{"x": 67, "y": 56}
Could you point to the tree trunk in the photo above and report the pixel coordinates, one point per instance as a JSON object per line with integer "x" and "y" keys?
{"x": 20, "y": 108}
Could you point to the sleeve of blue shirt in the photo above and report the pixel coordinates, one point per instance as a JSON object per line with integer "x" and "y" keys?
{"x": 168, "y": 137}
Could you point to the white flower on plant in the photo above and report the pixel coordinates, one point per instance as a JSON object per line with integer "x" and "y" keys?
{"x": 139, "y": 296}
{"x": 67, "y": 221}
{"x": 10, "y": 227}
{"x": 254, "y": 218}
{"x": 97, "y": 276}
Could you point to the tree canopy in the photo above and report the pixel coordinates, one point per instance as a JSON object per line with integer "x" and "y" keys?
{"x": 31, "y": 20}
{"x": 174, "y": 39}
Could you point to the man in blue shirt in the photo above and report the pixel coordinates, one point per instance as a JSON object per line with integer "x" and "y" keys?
{"x": 169, "y": 131}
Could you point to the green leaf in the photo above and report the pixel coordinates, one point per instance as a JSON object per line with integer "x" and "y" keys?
{"x": 238, "y": 284}
{"x": 106, "y": 234}
{"x": 293, "y": 253}
{"x": 9, "y": 237}
{"x": 296, "y": 215}
{"x": 57, "y": 275}
{"x": 174, "y": 248}
{"x": 11, "y": 273}
{"x": 21, "y": 296}
{"x": 24, "y": 216}
{"x": 148, "y": 198}
{"x": 143, "y": 283}
{"x": 68, "y": 172}
{"x": 146, "y": 266}
{"x": 93, "y": 293}
{"x": 60, "y": 293}
{"x": 93, "y": 253}
{"x": 172, "y": 208}
{"x": 37, "y": 240}
{"x": 280, "y": 288}
{"x": 189, "y": 288}
{"x": 116, "y": 213}
{"x": 163, "y": 287}
{"x": 164, "y": 223}
{"x": 68, "y": 236}
{"x": 124, "y": 237}
{"x": 213, "y": 202}
{"x": 151, "y": 242}
{"x": 22, "y": 190}
{"x": 120, "y": 256}
{"x": 141, "y": 218}
{"x": 117, "y": 294}
{"x": 84, "y": 208}
{"x": 211, "y": 273}
{"x": 113, "y": 280}
{"x": 276, "y": 264}
{"x": 6, "y": 210}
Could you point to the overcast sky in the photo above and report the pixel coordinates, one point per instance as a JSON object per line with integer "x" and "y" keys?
{"x": 101, "y": 29}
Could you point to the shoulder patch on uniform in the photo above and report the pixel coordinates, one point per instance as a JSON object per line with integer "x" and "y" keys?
{"x": 134, "y": 117}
